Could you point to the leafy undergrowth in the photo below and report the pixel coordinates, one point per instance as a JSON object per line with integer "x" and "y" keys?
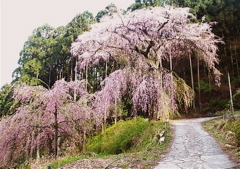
{"x": 128, "y": 144}
{"x": 227, "y": 132}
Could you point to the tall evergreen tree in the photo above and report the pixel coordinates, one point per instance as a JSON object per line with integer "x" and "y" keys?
{"x": 46, "y": 56}
{"x": 108, "y": 11}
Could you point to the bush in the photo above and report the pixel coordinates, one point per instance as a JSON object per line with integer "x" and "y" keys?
{"x": 117, "y": 138}
{"x": 216, "y": 104}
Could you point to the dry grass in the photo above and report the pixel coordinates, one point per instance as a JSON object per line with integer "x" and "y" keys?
{"x": 219, "y": 129}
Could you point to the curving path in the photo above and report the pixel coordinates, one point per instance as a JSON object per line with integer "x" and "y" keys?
{"x": 193, "y": 148}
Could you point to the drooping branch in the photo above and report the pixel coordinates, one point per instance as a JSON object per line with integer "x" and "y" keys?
{"x": 45, "y": 116}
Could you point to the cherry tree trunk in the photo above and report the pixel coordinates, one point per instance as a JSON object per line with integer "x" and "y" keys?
{"x": 38, "y": 144}
{"x": 116, "y": 113}
{"x": 84, "y": 141}
{"x": 56, "y": 133}
{"x": 104, "y": 124}
{"x": 106, "y": 70}
{"x": 86, "y": 76}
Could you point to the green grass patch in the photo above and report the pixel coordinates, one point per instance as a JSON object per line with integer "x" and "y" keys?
{"x": 117, "y": 138}
{"x": 128, "y": 136}
{"x": 64, "y": 161}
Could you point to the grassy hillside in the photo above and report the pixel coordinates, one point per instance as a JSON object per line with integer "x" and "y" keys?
{"x": 130, "y": 142}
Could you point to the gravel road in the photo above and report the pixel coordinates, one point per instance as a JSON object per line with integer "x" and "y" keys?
{"x": 193, "y": 148}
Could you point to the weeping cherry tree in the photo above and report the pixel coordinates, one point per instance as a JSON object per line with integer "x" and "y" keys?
{"x": 145, "y": 43}
{"x": 46, "y": 120}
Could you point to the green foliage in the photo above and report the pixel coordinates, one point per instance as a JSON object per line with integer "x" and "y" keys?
{"x": 36, "y": 55}
{"x": 46, "y": 57}
{"x": 119, "y": 109}
{"x": 117, "y": 138}
{"x": 7, "y": 104}
{"x": 139, "y": 4}
{"x": 205, "y": 86}
{"x": 236, "y": 99}
{"x": 108, "y": 11}
{"x": 216, "y": 104}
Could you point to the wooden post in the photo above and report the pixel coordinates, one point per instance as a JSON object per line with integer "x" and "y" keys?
{"x": 199, "y": 86}
{"x": 230, "y": 92}
{"x": 192, "y": 81}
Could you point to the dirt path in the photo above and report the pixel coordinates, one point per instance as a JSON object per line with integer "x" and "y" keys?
{"x": 193, "y": 148}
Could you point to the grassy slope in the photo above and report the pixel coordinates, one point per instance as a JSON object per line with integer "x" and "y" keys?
{"x": 227, "y": 134}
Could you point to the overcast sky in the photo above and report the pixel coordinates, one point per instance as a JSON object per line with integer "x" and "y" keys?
{"x": 20, "y": 17}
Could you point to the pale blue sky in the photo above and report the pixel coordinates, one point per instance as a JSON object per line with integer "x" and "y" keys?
{"x": 20, "y": 17}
